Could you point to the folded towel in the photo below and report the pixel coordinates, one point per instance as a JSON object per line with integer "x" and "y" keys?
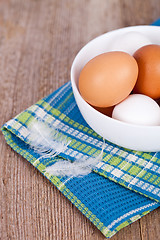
{"x": 107, "y": 204}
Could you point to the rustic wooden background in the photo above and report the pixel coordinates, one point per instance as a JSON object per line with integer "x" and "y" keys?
{"x": 38, "y": 42}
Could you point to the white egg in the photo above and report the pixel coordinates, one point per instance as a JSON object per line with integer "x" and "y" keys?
{"x": 138, "y": 109}
{"x": 130, "y": 42}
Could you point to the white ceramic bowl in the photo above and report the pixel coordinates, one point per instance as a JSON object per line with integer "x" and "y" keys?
{"x": 136, "y": 137}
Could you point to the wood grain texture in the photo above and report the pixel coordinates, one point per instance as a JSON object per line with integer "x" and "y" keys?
{"x": 38, "y": 42}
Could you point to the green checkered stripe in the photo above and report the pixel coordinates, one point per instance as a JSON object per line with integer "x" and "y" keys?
{"x": 135, "y": 170}
{"x": 68, "y": 194}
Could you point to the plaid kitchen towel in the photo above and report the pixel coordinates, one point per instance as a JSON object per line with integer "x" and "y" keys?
{"x": 107, "y": 204}
{"x": 156, "y": 23}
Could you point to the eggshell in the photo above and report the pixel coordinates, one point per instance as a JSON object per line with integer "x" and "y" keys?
{"x": 158, "y": 101}
{"x": 106, "y": 111}
{"x": 148, "y": 82}
{"x": 108, "y": 78}
{"x": 138, "y": 109}
{"x": 129, "y": 42}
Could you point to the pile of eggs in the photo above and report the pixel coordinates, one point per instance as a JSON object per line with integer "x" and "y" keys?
{"x": 124, "y": 83}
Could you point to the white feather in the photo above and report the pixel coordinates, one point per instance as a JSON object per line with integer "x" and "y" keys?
{"x": 76, "y": 169}
{"x": 46, "y": 141}
{"x": 49, "y": 142}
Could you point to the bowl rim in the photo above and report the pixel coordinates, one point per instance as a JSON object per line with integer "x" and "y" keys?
{"x": 75, "y": 88}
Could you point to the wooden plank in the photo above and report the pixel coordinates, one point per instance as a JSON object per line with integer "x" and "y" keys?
{"x": 38, "y": 42}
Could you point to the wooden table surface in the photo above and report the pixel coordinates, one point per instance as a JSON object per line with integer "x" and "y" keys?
{"x": 38, "y": 42}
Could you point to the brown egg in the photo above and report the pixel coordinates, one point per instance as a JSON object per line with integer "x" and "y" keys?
{"x": 158, "y": 101}
{"x": 108, "y": 78}
{"x": 106, "y": 111}
{"x": 148, "y": 82}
